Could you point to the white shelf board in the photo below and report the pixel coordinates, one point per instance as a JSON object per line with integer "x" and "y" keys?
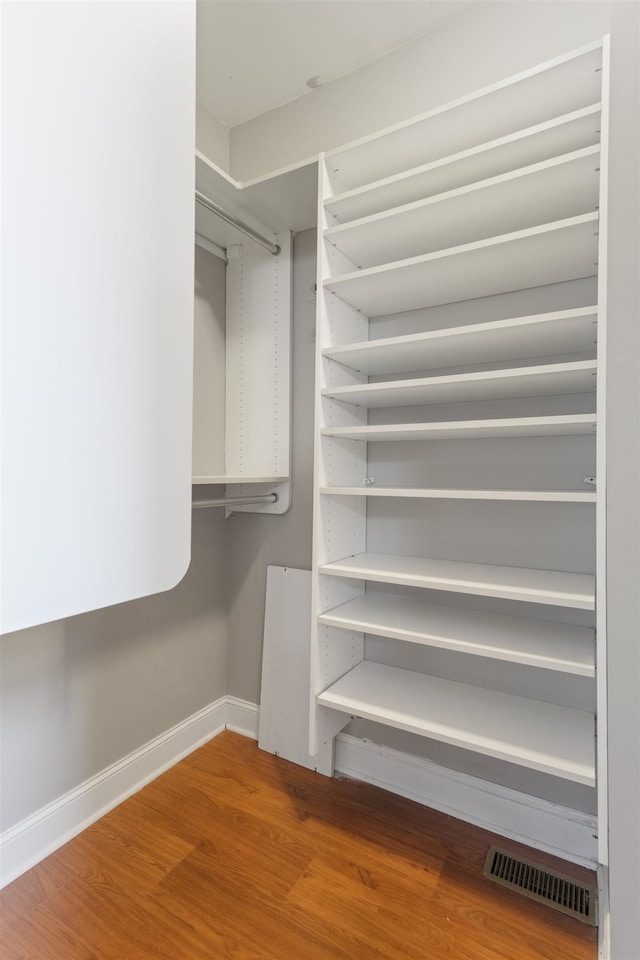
{"x": 550, "y": 253}
{"x": 290, "y": 195}
{"x": 572, "y": 131}
{"x": 226, "y": 478}
{"x": 553, "y": 379}
{"x": 554, "y": 189}
{"x": 547, "y": 496}
{"x": 534, "y": 96}
{"x": 223, "y": 190}
{"x": 563, "y": 647}
{"x": 541, "y": 736}
{"x": 547, "y": 334}
{"x": 552, "y": 587}
{"x": 556, "y": 426}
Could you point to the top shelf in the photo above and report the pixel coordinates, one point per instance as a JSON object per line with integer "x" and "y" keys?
{"x": 556, "y": 137}
{"x": 535, "y": 96}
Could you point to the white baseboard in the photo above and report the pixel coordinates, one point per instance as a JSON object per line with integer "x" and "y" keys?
{"x": 37, "y": 836}
{"x": 243, "y": 717}
{"x": 537, "y": 823}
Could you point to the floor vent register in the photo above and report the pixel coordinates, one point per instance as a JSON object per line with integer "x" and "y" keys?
{"x": 539, "y": 883}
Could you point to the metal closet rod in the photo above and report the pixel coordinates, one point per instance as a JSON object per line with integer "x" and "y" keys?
{"x": 238, "y": 224}
{"x": 235, "y": 501}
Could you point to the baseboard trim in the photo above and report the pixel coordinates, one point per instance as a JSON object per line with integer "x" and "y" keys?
{"x": 529, "y": 820}
{"x": 37, "y": 836}
{"x": 537, "y": 823}
{"x": 243, "y": 717}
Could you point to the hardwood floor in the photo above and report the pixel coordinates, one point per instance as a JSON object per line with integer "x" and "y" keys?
{"x": 234, "y": 853}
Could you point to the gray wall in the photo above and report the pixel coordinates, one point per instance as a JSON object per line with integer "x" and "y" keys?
{"x": 623, "y": 487}
{"x": 79, "y": 694}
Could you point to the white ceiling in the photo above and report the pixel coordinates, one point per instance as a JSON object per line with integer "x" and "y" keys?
{"x": 255, "y": 55}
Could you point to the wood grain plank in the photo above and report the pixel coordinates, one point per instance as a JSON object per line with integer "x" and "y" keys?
{"x": 235, "y": 854}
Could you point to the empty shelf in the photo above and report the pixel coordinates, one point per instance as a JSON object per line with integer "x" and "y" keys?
{"x": 540, "y": 643}
{"x": 547, "y": 334}
{"x": 552, "y": 587}
{"x": 554, "y": 189}
{"x": 569, "y": 425}
{"x": 544, "y": 380}
{"x": 550, "y": 253}
{"x": 571, "y": 131}
{"x": 549, "y": 496}
{"x": 226, "y": 478}
{"x": 541, "y": 736}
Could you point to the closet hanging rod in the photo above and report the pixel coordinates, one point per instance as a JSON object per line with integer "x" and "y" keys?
{"x": 238, "y": 224}
{"x": 235, "y": 501}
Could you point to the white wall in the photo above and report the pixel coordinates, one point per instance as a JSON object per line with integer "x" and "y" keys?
{"x": 486, "y": 45}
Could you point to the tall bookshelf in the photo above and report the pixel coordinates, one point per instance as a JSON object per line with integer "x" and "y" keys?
{"x": 458, "y": 574}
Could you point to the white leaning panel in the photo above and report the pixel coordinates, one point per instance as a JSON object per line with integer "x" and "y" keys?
{"x": 284, "y": 702}
{"x": 97, "y": 304}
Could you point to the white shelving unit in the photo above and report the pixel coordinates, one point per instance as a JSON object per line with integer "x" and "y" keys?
{"x": 460, "y": 331}
{"x": 255, "y": 389}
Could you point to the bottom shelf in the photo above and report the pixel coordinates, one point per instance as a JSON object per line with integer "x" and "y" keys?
{"x": 541, "y": 736}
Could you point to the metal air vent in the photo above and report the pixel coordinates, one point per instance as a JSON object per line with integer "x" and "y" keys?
{"x": 541, "y": 884}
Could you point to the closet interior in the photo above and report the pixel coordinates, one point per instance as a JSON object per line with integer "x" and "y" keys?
{"x": 242, "y": 409}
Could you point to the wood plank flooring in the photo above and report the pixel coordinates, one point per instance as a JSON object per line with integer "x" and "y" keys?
{"x": 234, "y": 854}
